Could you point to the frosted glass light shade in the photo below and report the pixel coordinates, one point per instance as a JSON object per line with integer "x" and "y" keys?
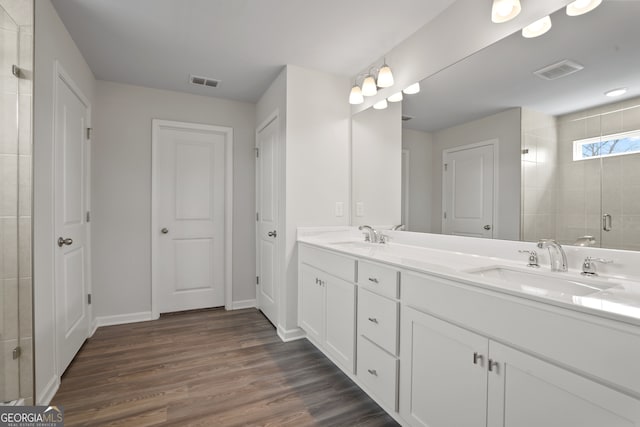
{"x": 505, "y": 10}
{"x": 396, "y": 97}
{"x": 380, "y": 105}
{"x": 369, "y": 87}
{"x": 580, "y": 7}
{"x": 616, "y": 92}
{"x": 385, "y": 77}
{"x": 413, "y": 89}
{"x": 355, "y": 97}
{"x": 538, "y": 28}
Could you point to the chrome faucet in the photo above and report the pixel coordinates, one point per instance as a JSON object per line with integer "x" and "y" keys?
{"x": 399, "y": 227}
{"x": 556, "y": 254}
{"x": 370, "y": 235}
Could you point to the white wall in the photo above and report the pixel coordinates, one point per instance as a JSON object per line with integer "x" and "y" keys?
{"x": 52, "y": 42}
{"x": 121, "y": 187}
{"x": 505, "y": 127}
{"x": 420, "y": 147}
{"x": 317, "y": 163}
{"x": 376, "y": 138}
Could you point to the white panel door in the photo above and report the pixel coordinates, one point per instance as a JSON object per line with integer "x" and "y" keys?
{"x": 468, "y": 191}
{"x": 442, "y": 382}
{"x": 267, "y": 229}
{"x": 71, "y": 251}
{"x": 190, "y": 217}
{"x": 340, "y": 321}
{"x": 527, "y": 392}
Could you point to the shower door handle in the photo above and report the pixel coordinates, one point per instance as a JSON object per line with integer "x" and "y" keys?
{"x": 606, "y": 222}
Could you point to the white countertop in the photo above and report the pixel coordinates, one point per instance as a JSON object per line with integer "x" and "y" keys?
{"x": 614, "y": 296}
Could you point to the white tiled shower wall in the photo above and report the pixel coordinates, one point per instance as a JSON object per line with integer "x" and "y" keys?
{"x": 16, "y": 43}
{"x": 590, "y": 188}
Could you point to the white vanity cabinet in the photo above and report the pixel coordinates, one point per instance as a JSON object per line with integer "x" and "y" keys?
{"x": 451, "y": 375}
{"x": 327, "y": 304}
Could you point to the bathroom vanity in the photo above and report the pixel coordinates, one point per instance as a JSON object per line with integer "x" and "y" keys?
{"x": 440, "y": 337}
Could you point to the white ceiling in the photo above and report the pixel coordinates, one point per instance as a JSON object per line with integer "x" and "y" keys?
{"x": 243, "y": 43}
{"x": 606, "y": 41}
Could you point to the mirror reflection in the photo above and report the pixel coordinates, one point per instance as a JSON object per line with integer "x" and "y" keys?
{"x": 533, "y": 148}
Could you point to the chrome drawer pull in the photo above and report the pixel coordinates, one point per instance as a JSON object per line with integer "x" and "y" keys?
{"x": 373, "y": 320}
{"x": 373, "y": 372}
{"x": 373, "y": 279}
{"x": 493, "y": 363}
{"x": 477, "y": 357}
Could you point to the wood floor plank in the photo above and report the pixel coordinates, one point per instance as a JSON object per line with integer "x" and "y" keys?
{"x": 208, "y": 368}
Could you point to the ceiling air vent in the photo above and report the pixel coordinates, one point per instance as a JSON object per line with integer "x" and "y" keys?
{"x": 558, "y": 70}
{"x": 406, "y": 118}
{"x": 203, "y": 81}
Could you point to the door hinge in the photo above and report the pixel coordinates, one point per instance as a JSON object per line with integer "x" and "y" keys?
{"x": 445, "y": 167}
{"x": 88, "y": 216}
{"x": 17, "y": 352}
{"x": 257, "y": 152}
{"x": 89, "y": 299}
{"x": 257, "y": 216}
{"x": 257, "y": 280}
{"x": 16, "y": 71}
{"x": 445, "y": 215}
{"x": 89, "y": 131}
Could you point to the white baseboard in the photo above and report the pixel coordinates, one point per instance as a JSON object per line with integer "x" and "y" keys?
{"x": 45, "y": 395}
{"x": 287, "y": 335}
{"x": 239, "y": 305}
{"x": 94, "y": 326}
{"x": 120, "y": 319}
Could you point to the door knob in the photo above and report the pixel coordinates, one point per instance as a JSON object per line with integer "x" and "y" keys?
{"x": 272, "y": 233}
{"x": 487, "y": 227}
{"x": 62, "y": 241}
{"x": 164, "y": 230}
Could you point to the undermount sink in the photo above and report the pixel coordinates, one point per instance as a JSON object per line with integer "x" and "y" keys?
{"x": 542, "y": 284}
{"x": 356, "y": 245}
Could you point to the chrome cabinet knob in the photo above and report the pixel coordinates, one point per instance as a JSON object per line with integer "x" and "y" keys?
{"x": 62, "y": 241}
{"x": 164, "y": 230}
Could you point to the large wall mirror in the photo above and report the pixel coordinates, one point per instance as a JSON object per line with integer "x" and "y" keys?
{"x": 520, "y": 142}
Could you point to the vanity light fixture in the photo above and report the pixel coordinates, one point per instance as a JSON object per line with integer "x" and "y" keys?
{"x": 355, "y": 97}
{"x": 580, "y": 7}
{"x": 385, "y": 76}
{"x": 538, "y": 28}
{"x": 369, "y": 87}
{"x": 616, "y": 92}
{"x": 396, "y": 97}
{"x": 505, "y": 10}
{"x": 381, "y": 105}
{"x": 412, "y": 89}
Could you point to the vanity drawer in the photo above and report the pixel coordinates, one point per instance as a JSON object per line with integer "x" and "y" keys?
{"x": 378, "y": 320}
{"x": 337, "y": 265}
{"x": 378, "y": 371}
{"x": 378, "y": 278}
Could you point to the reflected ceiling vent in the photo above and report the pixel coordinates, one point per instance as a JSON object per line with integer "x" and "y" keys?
{"x": 558, "y": 70}
{"x": 203, "y": 81}
{"x": 407, "y": 118}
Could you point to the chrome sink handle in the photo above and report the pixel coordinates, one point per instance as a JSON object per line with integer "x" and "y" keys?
{"x": 370, "y": 235}
{"x": 533, "y": 258}
{"x": 589, "y": 266}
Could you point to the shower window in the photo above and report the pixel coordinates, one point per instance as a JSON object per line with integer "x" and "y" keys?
{"x": 617, "y": 144}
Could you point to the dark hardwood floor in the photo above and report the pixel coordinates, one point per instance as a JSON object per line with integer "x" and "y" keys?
{"x": 208, "y": 368}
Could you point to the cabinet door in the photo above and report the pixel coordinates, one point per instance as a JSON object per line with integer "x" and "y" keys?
{"x": 527, "y": 392}
{"x": 442, "y": 384}
{"x": 340, "y": 321}
{"x": 312, "y": 300}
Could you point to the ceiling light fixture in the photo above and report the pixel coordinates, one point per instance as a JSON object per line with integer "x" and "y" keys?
{"x": 538, "y": 28}
{"x": 355, "y": 97}
{"x": 580, "y": 7}
{"x": 505, "y": 10}
{"x": 616, "y": 92}
{"x": 381, "y": 105}
{"x": 412, "y": 89}
{"x": 369, "y": 87}
{"x": 385, "y": 76}
{"x": 396, "y": 97}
